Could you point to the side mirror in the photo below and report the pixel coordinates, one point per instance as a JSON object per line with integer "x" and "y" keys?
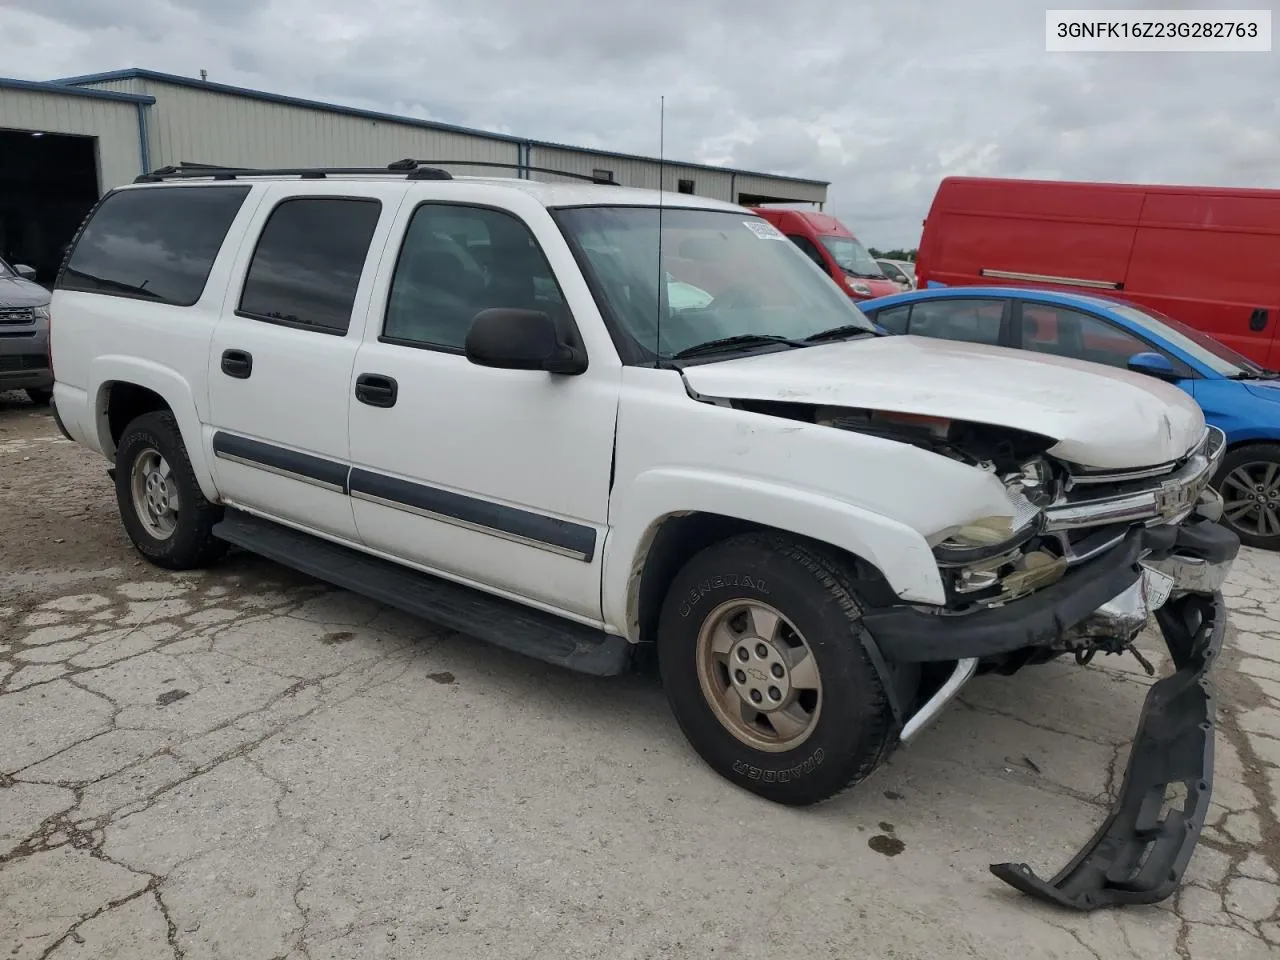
{"x": 511, "y": 339}
{"x": 1153, "y": 364}
{"x": 24, "y": 271}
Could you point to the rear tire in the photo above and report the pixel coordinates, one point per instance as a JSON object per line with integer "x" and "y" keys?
{"x": 163, "y": 510}
{"x": 788, "y": 613}
{"x": 40, "y": 396}
{"x": 1250, "y": 479}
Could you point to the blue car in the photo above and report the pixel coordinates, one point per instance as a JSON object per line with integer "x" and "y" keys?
{"x": 1236, "y": 394}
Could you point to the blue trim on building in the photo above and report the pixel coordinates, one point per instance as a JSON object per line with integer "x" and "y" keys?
{"x": 144, "y": 146}
{"x": 57, "y": 87}
{"x": 137, "y": 73}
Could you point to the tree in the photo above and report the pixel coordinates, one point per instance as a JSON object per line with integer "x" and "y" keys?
{"x": 897, "y": 254}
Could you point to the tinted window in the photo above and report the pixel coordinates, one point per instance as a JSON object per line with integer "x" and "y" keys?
{"x": 1066, "y": 333}
{"x": 154, "y": 243}
{"x": 308, "y": 262}
{"x": 457, "y": 261}
{"x": 894, "y": 319}
{"x": 973, "y": 321}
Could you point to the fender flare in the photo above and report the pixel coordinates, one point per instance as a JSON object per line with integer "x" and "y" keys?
{"x": 176, "y": 391}
{"x": 900, "y": 553}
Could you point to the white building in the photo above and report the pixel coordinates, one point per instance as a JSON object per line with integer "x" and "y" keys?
{"x": 64, "y": 143}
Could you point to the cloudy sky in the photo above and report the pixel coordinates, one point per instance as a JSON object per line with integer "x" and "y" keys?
{"x": 881, "y": 99}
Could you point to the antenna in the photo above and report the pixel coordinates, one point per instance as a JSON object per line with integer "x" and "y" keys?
{"x": 662, "y": 280}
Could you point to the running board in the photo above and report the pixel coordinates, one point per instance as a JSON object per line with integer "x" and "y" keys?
{"x": 503, "y": 623}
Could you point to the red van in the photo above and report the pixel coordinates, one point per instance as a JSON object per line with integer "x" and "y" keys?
{"x": 1208, "y": 256}
{"x": 833, "y": 247}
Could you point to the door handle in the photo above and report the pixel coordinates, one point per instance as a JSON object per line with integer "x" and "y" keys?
{"x": 376, "y": 390}
{"x": 237, "y": 363}
{"x": 1258, "y": 319}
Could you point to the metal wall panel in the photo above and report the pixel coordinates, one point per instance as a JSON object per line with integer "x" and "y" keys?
{"x": 114, "y": 123}
{"x": 209, "y": 127}
{"x": 133, "y": 85}
{"x": 791, "y": 190}
{"x": 633, "y": 172}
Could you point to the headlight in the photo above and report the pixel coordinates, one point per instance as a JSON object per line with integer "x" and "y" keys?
{"x": 989, "y": 537}
{"x": 861, "y": 289}
{"x": 1035, "y": 480}
{"x": 41, "y": 313}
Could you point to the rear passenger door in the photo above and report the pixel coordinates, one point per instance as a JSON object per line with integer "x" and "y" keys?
{"x": 282, "y": 351}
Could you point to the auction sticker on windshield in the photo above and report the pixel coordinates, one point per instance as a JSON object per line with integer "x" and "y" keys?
{"x": 764, "y": 230}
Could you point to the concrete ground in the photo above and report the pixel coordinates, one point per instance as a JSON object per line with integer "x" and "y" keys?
{"x": 247, "y": 764}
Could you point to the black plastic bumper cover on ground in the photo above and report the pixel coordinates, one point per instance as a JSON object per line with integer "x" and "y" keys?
{"x": 1138, "y": 856}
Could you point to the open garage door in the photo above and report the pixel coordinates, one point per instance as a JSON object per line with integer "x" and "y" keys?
{"x": 48, "y": 182}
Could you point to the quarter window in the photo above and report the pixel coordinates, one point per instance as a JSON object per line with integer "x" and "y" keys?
{"x": 153, "y": 243}
{"x": 457, "y": 261}
{"x": 308, "y": 263}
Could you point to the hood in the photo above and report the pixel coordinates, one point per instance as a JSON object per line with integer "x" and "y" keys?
{"x": 1266, "y": 389}
{"x": 1101, "y": 417}
{"x": 16, "y": 292}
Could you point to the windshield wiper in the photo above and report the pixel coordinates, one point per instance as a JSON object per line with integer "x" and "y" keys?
{"x": 1263, "y": 374}
{"x": 741, "y": 340}
{"x": 840, "y": 333}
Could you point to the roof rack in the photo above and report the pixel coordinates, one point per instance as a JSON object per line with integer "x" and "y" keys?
{"x": 403, "y": 165}
{"x": 193, "y": 171}
{"x": 412, "y": 169}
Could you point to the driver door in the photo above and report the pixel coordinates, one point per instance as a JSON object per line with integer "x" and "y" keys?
{"x": 495, "y": 478}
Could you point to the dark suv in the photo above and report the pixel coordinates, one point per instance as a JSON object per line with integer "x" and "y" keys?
{"x": 24, "y": 333}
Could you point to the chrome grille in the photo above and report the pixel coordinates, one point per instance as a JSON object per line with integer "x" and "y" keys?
{"x": 1149, "y": 495}
{"x": 17, "y": 315}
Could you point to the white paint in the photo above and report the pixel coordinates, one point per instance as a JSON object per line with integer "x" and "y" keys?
{"x": 617, "y": 449}
{"x": 1100, "y": 416}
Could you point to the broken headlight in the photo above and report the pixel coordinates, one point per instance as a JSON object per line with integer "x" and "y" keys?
{"x": 1029, "y": 489}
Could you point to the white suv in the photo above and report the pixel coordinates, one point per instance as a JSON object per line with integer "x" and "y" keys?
{"x": 474, "y": 399}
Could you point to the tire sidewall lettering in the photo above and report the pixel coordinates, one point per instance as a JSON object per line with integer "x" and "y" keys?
{"x": 785, "y": 775}
{"x": 690, "y": 601}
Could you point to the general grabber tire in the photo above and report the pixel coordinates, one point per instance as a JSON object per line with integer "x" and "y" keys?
{"x": 765, "y": 620}
{"x": 163, "y": 510}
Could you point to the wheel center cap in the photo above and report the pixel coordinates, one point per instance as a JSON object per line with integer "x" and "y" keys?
{"x": 760, "y": 675}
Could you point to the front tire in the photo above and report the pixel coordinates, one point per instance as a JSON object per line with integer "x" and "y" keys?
{"x": 1249, "y": 482}
{"x": 163, "y": 510}
{"x": 760, "y": 652}
{"x": 40, "y": 396}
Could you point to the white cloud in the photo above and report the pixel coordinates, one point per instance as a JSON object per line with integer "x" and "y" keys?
{"x": 882, "y": 100}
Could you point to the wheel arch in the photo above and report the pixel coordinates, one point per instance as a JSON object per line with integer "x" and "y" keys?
{"x": 653, "y": 538}
{"x": 128, "y": 387}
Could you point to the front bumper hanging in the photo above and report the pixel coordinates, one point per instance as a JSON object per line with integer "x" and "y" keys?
{"x": 1140, "y": 852}
{"x": 1142, "y": 849}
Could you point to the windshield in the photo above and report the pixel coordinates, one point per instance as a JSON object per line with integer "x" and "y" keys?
{"x": 6, "y": 270}
{"x": 1198, "y": 346}
{"x": 851, "y": 256}
{"x": 727, "y": 274}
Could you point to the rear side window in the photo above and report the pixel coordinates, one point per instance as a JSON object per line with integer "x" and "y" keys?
{"x": 308, "y": 263}
{"x": 154, "y": 243}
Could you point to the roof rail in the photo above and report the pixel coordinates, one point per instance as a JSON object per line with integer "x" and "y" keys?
{"x": 404, "y": 165}
{"x": 412, "y": 169}
{"x": 193, "y": 171}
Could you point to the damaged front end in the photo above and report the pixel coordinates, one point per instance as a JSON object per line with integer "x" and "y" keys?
{"x": 1087, "y": 565}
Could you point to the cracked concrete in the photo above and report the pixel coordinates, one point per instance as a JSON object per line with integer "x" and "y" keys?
{"x": 244, "y": 764}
